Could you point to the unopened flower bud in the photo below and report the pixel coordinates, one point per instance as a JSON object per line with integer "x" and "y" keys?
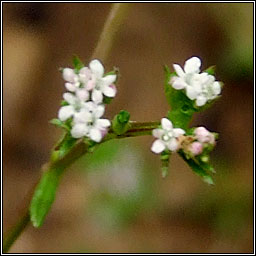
{"x": 203, "y": 135}
{"x": 196, "y": 148}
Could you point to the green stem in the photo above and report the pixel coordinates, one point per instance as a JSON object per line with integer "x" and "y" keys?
{"x": 78, "y": 150}
{"x": 15, "y": 231}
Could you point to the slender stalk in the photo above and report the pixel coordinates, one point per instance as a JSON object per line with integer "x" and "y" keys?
{"x": 112, "y": 25}
{"x": 78, "y": 150}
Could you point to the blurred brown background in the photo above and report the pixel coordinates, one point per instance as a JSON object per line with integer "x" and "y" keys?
{"x": 116, "y": 200}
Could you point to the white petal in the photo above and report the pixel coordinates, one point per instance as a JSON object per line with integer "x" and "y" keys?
{"x": 99, "y": 111}
{"x": 166, "y": 124}
{"x": 109, "y": 91}
{"x": 85, "y": 71}
{"x": 70, "y": 87}
{"x": 95, "y": 135}
{"x": 192, "y": 65}
{"x": 179, "y": 71}
{"x": 90, "y": 85}
{"x": 178, "y": 131}
{"x": 200, "y": 101}
{"x": 83, "y": 117}
{"x": 191, "y": 92}
{"x": 216, "y": 88}
{"x": 97, "y": 68}
{"x": 79, "y": 130}
{"x": 97, "y": 96}
{"x": 173, "y": 145}
{"x": 108, "y": 80}
{"x": 158, "y": 146}
{"x": 178, "y": 83}
{"x": 82, "y": 94}
{"x": 69, "y": 98}
{"x": 90, "y": 106}
{"x": 158, "y": 133}
{"x": 69, "y": 75}
{"x": 103, "y": 123}
{"x": 66, "y": 112}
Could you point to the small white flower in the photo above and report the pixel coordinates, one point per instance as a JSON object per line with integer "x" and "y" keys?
{"x": 166, "y": 137}
{"x": 191, "y": 67}
{"x": 75, "y": 105}
{"x": 99, "y": 84}
{"x": 75, "y": 81}
{"x": 88, "y": 123}
{"x": 200, "y": 87}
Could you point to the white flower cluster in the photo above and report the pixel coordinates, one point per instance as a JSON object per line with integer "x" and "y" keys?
{"x": 200, "y": 87}
{"x": 167, "y": 137}
{"x": 87, "y": 89}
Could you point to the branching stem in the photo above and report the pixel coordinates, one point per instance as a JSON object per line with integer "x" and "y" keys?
{"x": 78, "y": 150}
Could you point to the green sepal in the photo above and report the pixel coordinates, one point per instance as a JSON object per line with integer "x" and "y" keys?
{"x": 107, "y": 100}
{"x": 64, "y": 103}
{"x": 120, "y": 123}
{"x": 210, "y": 70}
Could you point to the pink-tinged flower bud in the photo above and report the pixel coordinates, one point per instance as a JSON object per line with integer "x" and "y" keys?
{"x": 196, "y": 148}
{"x": 204, "y": 136}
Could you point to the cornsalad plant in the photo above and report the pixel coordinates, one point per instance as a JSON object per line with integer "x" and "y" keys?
{"x": 90, "y": 89}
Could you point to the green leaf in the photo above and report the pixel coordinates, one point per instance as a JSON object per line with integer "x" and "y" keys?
{"x": 60, "y": 124}
{"x": 77, "y": 63}
{"x": 198, "y": 169}
{"x": 182, "y": 108}
{"x": 44, "y": 196}
{"x": 120, "y": 123}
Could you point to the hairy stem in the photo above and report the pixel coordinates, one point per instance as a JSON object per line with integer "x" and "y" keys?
{"x": 78, "y": 150}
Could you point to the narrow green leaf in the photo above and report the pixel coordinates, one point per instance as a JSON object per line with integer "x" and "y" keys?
{"x": 44, "y": 196}
{"x": 198, "y": 169}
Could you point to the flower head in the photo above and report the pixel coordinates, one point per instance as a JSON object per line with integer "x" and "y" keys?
{"x": 86, "y": 89}
{"x": 200, "y": 87}
{"x": 167, "y": 137}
